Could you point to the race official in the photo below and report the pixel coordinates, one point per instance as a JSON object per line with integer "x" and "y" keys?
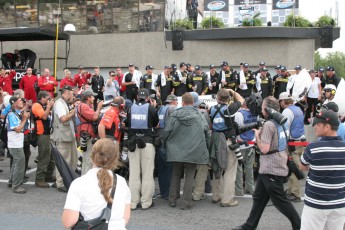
{"x": 179, "y": 79}
{"x": 131, "y": 81}
{"x": 213, "y": 80}
{"x": 264, "y": 83}
{"x": 149, "y": 79}
{"x": 331, "y": 77}
{"x": 295, "y": 132}
{"x": 271, "y": 141}
{"x": 324, "y": 199}
{"x": 229, "y": 77}
{"x": 198, "y": 81}
{"x": 223, "y": 159}
{"x": 141, "y": 119}
{"x": 27, "y": 84}
{"x": 281, "y": 82}
{"x": 45, "y": 161}
{"x": 164, "y": 86}
{"x": 246, "y": 81}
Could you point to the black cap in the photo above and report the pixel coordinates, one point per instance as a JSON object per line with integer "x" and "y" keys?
{"x": 298, "y": 67}
{"x": 330, "y": 106}
{"x": 112, "y": 73}
{"x": 245, "y": 65}
{"x": 262, "y": 63}
{"x": 167, "y": 67}
{"x": 283, "y": 68}
{"x": 130, "y": 65}
{"x": 211, "y": 66}
{"x": 224, "y": 63}
{"x": 263, "y": 70}
{"x": 13, "y": 99}
{"x": 149, "y": 67}
{"x": 80, "y": 67}
{"x": 327, "y": 117}
{"x": 321, "y": 69}
{"x": 188, "y": 65}
{"x": 66, "y": 87}
{"x": 278, "y": 67}
{"x": 182, "y": 64}
{"x": 330, "y": 68}
{"x": 197, "y": 67}
{"x": 173, "y": 66}
{"x": 143, "y": 93}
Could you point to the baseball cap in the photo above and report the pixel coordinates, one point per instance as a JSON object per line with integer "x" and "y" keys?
{"x": 171, "y": 98}
{"x": 182, "y": 64}
{"x": 330, "y": 87}
{"x": 330, "y": 68}
{"x": 298, "y": 67}
{"x": 263, "y": 70}
{"x": 327, "y": 117}
{"x": 66, "y": 87}
{"x": 321, "y": 69}
{"x": 88, "y": 92}
{"x": 224, "y": 63}
{"x": 167, "y": 67}
{"x": 143, "y": 93}
{"x": 330, "y": 106}
{"x": 173, "y": 66}
{"x": 197, "y": 67}
{"x": 80, "y": 67}
{"x": 13, "y": 99}
{"x": 196, "y": 99}
{"x": 245, "y": 65}
{"x": 130, "y": 65}
{"x": 262, "y": 63}
{"x": 149, "y": 67}
{"x": 188, "y": 65}
{"x": 211, "y": 66}
{"x": 284, "y": 95}
{"x": 278, "y": 67}
{"x": 283, "y": 68}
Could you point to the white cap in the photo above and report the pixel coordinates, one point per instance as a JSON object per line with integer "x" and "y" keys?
{"x": 284, "y": 95}
{"x": 330, "y": 87}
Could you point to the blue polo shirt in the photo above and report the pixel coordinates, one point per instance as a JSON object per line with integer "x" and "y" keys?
{"x": 325, "y": 186}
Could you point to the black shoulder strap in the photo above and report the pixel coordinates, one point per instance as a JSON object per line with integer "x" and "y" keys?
{"x": 79, "y": 113}
{"x": 109, "y": 205}
{"x": 217, "y": 111}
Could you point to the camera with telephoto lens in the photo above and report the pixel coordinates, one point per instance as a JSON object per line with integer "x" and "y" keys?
{"x": 84, "y": 137}
{"x": 276, "y": 116}
{"x": 294, "y": 169}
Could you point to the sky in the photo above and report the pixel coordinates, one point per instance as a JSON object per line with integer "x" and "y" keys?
{"x": 313, "y": 9}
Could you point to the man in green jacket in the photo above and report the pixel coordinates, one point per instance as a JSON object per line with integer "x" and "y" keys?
{"x": 187, "y": 138}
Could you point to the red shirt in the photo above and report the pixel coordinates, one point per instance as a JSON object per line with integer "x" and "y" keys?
{"x": 87, "y": 112}
{"x": 112, "y": 117}
{"x": 80, "y": 79}
{"x": 6, "y": 82}
{"x": 47, "y": 87}
{"x": 119, "y": 80}
{"x": 66, "y": 81}
{"x": 27, "y": 84}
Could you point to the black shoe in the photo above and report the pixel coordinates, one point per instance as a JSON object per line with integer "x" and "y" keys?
{"x": 187, "y": 207}
{"x": 9, "y": 184}
{"x": 172, "y": 204}
{"x": 54, "y": 185}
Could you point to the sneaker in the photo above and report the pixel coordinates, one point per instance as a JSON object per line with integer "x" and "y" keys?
{"x": 294, "y": 198}
{"x": 19, "y": 190}
{"x": 202, "y": 197}
{"x": 232, "y": 203}
{"x": 42, "y": 184}
{"x": 62, "y": 189}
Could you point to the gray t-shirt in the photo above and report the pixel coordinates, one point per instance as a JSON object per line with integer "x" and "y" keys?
{"x": 274, "y": 164}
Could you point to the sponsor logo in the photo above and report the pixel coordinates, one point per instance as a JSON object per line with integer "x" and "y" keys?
{"x": 216, "y": 5}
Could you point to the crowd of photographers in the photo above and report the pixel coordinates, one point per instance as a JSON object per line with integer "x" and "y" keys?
{"x": 254, "y": 122}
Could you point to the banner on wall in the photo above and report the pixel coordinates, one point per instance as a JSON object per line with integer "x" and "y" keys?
{"x": 243, "y": 11}
{"x": 281, "y": 9}
{"x": 217, "y": 8}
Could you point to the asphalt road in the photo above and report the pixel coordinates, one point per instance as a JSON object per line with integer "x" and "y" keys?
{"x": 42, "y": 209}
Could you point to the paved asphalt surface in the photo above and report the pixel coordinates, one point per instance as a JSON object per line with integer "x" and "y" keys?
{"x": 42, "y": 208}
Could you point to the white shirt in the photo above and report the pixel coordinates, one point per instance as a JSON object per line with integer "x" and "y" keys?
{"x": 84, "y": 196}
{"x": 314, "y": 88}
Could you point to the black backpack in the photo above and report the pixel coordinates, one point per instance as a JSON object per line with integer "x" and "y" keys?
{"x": 3, "y": 132}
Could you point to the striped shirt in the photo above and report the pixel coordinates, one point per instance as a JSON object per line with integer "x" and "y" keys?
{"x": 325, "y": 186}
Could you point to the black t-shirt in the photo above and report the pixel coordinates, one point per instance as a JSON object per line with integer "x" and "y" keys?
{"x": 128, "y": 78}
{"x": 217, "y": 79}
{"x": 334, "y": 80}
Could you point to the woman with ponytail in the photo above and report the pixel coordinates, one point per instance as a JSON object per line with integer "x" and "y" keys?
{"x": 90, "y": 193}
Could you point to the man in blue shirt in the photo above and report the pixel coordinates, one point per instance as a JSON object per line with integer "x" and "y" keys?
{"x": 333, "y": 106}
{"x": 324, "y": 197}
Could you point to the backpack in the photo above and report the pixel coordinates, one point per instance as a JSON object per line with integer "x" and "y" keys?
{"x": 3, "y": 132}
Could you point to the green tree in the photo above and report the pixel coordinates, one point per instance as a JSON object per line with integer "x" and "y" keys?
{"x": 335, "y": 59}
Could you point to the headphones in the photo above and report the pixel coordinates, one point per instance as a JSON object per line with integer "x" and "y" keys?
{"x": 333, "y": 91}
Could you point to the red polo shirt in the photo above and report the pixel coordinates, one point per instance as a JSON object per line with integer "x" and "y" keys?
{"x": 6, "y": 82}
{"x": 67, "y": 81}
{"x": 47, "y": 87}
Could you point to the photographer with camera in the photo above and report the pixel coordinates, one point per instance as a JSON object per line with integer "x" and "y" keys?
{"x": 41, "y": 117}
{"x": 242, "y": 117}
{"x": 141, "y": 119}
{"x": 295, "y": 132}
{"x": 272, "y": 142}
{"x": 223, "y": 158}
{"x": 82, "y": 77}
{"x": 88, "y": 130}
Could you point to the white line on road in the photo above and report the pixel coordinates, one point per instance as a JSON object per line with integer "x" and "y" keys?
{"x": 31, "y": 170}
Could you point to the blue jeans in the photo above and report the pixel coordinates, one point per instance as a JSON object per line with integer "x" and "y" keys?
{"x": 164, "y": 172}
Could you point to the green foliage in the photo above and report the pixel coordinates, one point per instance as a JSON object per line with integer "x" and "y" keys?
{"x": 182, "y": 24}
{"x": 297, "y": 21}
{"x": 211, "y": 22}
{"x": 255, "y": 21}
{"x": 335, "y": 59}
{"x": 325, "y": 21}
